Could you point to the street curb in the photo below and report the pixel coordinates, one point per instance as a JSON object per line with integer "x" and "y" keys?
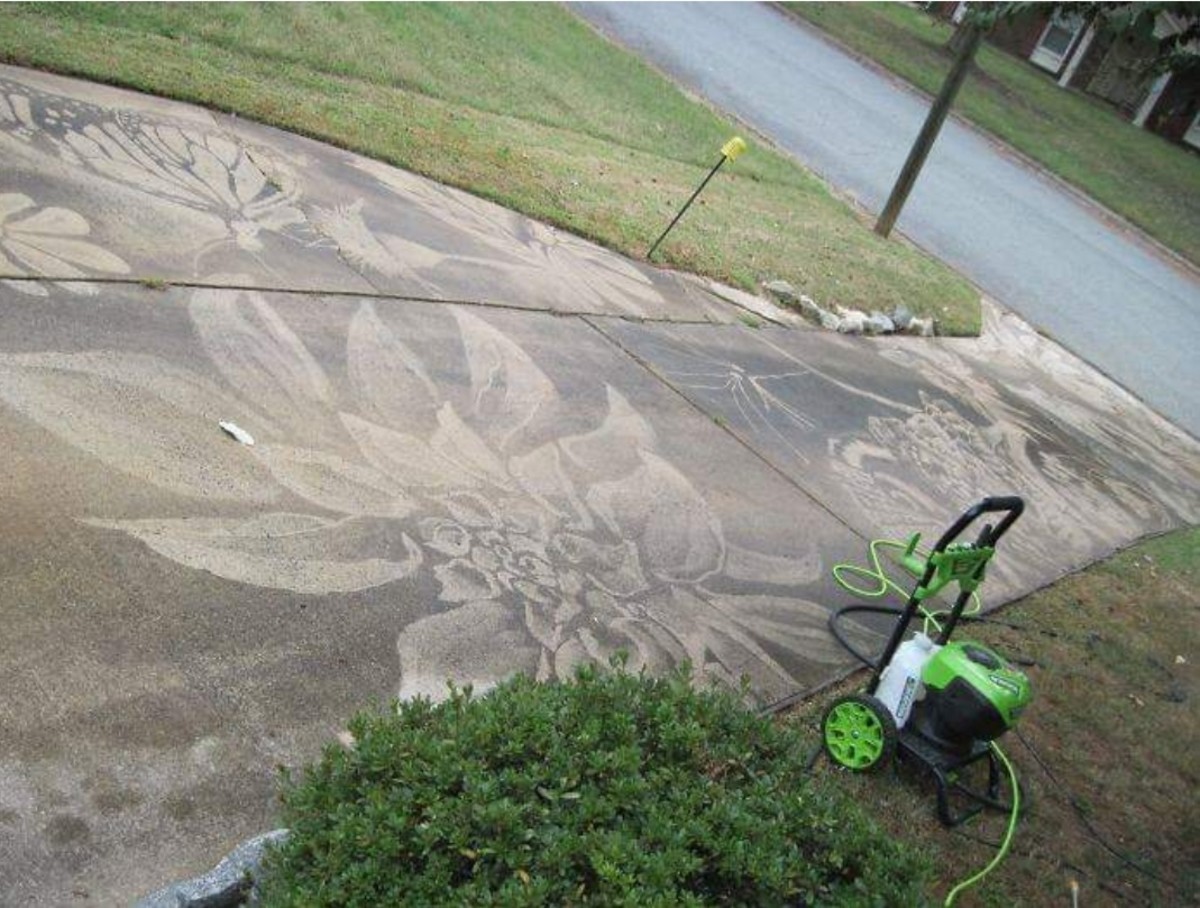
{"x": 1099, "y": 209}
{"x": 228, "y": 884}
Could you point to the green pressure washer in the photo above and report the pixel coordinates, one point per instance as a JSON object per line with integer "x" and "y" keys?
{"x": 937, "y": 704}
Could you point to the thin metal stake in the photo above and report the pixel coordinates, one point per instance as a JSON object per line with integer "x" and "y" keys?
{"x": 688, "y": 204}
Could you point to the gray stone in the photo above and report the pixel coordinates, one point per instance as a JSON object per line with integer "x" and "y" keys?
{"x": 808, "y": 306}
{"x": 783, "y": 290}
{"x": 227, "y": 884}
{"x": 921, "y": 326}
{"x": 852, "y": 322}
{"x": 878, "y": 323}
{"x": 828, "y": 320}
{"x": 901, "y": 315}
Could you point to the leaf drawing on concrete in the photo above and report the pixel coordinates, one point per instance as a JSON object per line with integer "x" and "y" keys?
{"x": 518, "y": 257}
{"x": 542, "y": 552}
{"x": 49, "y": 242}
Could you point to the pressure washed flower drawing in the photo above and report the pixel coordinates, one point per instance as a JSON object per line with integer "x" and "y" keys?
{"x": 247, "y": 200}
{"x": 983, "y": 425}
{"x": 201, "y": 170}
{"x": 513, "y": 256}
{"x": 541, "y": 550}
{"x": 904, "y": 469}
{"x": 50, "y": 242}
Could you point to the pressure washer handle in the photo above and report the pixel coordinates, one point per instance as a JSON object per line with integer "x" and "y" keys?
{"x": 1010, "y": 504}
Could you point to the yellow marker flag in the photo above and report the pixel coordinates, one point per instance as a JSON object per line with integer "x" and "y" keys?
{"x": 733, "y": 148}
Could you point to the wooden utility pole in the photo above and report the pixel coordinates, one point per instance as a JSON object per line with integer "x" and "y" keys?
{"x": 929, "y": 132}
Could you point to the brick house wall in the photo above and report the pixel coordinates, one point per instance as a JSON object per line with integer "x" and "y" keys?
{"x": 1019, "y": 35}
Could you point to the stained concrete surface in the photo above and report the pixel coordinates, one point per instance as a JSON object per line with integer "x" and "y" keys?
{"x": 579, "y": 461}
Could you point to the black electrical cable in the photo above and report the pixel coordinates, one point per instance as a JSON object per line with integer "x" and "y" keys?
{"x": 1082, "y": 815}
{"x": 835, "y": 628}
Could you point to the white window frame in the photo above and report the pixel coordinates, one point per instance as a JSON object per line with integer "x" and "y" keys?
{"x": 1050, "y": 60}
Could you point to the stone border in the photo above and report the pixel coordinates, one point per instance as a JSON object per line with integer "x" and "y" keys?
{"x": 228, "y": 884}
{"x": 850, "y": 321}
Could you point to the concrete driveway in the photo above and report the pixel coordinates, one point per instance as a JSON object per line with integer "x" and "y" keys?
{"x": 1027, "y": 242}
{"x": 481, "y": 446}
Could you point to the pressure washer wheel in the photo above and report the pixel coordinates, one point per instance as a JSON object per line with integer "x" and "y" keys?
{"x": 859, "y": 733}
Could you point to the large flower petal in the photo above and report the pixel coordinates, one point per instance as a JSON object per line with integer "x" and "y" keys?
{"x": 330, "y": 482}
{"x": 189, "y": 392}
{"x": 723, "y": 643}
{"x": 473, "y": 510}
{"x": 460, "y": 443}
{"x": 389, "y": 379}
{"x": 51, "y": 222}
{"x": 480, "y": 643}
{"x": 606, "y": 627}
{"x": 407, "y": 460}
{"x": 507, "y": 387}
{"x": 541, "y": 474}
{"x": 141, "y": 416}
{"x": 679, "y": 536}
{"x": 756, "y": 567}
{"x": 294, "y": 552}
{"x": 611, "y": 451}
{"x": 262, "y": 357}
{"x": 796, "y": 625}
{"x": 57, "y": 256}
{"x": 13, "y": 202}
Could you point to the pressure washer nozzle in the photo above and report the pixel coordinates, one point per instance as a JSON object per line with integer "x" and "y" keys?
{"x": 912, "y": 562}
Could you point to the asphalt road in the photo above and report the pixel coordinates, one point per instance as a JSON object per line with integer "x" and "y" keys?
{"x": 1027, "y": 242}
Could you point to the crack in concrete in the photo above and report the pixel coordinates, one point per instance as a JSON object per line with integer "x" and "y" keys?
{"x": 163, "y": 284}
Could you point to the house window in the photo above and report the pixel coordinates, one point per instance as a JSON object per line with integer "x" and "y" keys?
{"x": 1057, "y": 39}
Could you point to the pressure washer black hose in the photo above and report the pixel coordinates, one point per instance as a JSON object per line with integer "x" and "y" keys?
{"x": 836, "y": 630}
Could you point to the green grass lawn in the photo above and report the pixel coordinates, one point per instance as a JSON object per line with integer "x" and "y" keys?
{"x": 1137, "y": 174}
{"x": 522, "y": 104}
{"x": 1116, "y": 679}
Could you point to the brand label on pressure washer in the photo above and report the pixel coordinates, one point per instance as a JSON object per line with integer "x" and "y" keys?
{"x": 906, "y": 698}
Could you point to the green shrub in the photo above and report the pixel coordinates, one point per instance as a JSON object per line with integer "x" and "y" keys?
{"x": 612, "y": 789}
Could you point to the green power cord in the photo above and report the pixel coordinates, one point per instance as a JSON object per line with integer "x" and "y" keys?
{"x": 1008, "y": 834}
{"x": 884, "y": 585}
